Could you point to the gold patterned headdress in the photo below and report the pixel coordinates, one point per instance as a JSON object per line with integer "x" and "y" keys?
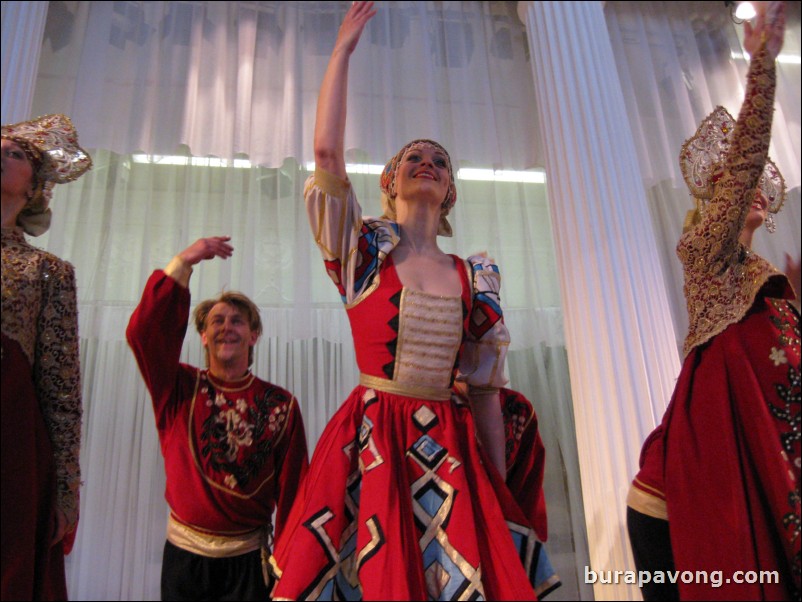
{"x": 702, "y": 157}
{"x": 51, "y": 142}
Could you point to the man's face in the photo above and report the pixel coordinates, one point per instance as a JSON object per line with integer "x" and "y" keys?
{"x": 228, "y": 336}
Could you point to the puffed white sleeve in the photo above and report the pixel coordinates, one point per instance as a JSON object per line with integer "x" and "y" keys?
{"x": 353, "y": 247}
{"x": 485, "y": 348}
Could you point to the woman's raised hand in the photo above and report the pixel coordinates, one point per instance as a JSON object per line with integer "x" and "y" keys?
{"x": 352, "y": 26}
{"x": 769, "y": 22}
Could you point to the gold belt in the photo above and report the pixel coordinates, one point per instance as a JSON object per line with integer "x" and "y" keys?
{"x": 213, "y": 546}
{"x": 407, "y": 390}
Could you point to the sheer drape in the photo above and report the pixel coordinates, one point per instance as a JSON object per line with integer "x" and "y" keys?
{"x": 676, "y": 62}
{"x": 240, "y": 79}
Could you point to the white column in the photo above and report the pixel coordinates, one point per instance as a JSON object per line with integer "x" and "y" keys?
{"x": 619, "y": 333}
{"x": 23, "y": 27}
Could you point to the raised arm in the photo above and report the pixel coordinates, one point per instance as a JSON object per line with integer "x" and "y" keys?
{"x": 331, "y": 103}
{"x": 180, "y": 268}
{"x": 158, "y": 325}
{"x": 724, "y": 217}
{"x": 769, "y": 23}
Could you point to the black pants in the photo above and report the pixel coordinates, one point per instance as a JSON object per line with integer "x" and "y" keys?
{"x": 188, "y": 576}
{"x": 651, "y": 547}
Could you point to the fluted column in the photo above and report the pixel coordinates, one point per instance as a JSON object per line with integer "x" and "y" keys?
{"x": 619, "y": 333}
{"x": 23, "y": 27}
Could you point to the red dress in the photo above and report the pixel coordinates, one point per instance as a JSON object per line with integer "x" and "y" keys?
{"x": 732, "y": 454}
{"x": 724, "y": 465}
{"x": 41, "y": 418}
{"x": 399, "y": 502}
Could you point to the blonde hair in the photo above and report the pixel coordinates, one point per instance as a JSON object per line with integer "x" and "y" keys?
{"x": 236, "y": 300}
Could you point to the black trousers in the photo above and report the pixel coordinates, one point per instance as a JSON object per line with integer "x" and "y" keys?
{"x": 188, "y": 576}
{"x": 651, "y": 547}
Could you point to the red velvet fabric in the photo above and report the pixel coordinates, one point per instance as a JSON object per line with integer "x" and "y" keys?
{"x": 31, "y": 568}
{"x": 732, "y": 457}
{"x": 220, "y": 479}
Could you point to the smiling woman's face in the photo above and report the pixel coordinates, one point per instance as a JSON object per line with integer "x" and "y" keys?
{"x": 17, "y": 172}
{"x": 423, "y": 169}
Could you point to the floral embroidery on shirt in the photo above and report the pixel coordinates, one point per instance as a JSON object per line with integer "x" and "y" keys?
{"x": 778, "y": 356}
{"x": 239, "y": 432}
{"x": 276, "y": 419}
{"x": 237, "y": 437}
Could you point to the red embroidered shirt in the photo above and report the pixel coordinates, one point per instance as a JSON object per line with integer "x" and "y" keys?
{"x": 233, "y": 451}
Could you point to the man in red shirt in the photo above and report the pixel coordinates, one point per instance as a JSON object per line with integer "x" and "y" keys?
{"x": 234, "y": 446}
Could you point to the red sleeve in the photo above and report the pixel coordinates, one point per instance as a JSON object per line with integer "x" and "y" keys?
{"x": 156, "y": 334}
{"x": 651, "y": 463}
{"x": 292, "y": 464}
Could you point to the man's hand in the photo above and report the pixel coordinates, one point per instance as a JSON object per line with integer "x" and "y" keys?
{"x": 207, "y": 248}
{"x": 180, "y": 268}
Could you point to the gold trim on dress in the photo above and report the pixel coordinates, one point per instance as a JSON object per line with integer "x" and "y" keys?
{"x": 396, "y": 388}
{"x": 647, "y": 503}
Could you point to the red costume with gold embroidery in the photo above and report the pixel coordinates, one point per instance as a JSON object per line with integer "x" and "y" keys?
{"x": 724, "y": 465}
{"x": 233, "y": 451}
{"x": 41, "y": 417}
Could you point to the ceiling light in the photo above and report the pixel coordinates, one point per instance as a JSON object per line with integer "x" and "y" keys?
{"x": 745, "y": 11}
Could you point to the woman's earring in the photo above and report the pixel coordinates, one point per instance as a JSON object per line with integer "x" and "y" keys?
{"x": 771, "y": 226}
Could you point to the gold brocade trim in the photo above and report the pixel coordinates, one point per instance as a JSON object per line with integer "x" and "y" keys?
{"x": 332, "y": 184}
{"x": 213, "y": 545}
{"x": 179, "y": 270}
{"x": 276, "y": 569}
{"x": 474, "y": 390}
{"x": 646, "y": 503}
{"x": 417, "y": 342}
{"x": 722, "y": 276}
{"x": 396, "y": 388}
{"x": 366, "y": 293}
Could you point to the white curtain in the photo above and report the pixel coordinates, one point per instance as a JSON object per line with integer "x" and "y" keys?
{"x": 240, "y": 80}
{"x": 677, "y": 61}
{"x": 243, "y": 77}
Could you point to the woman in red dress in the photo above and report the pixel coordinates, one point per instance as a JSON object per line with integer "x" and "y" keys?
{"x": 720, "y": 475}
{"x": 41, "y": 392}
{"x": 401, "y": 502}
